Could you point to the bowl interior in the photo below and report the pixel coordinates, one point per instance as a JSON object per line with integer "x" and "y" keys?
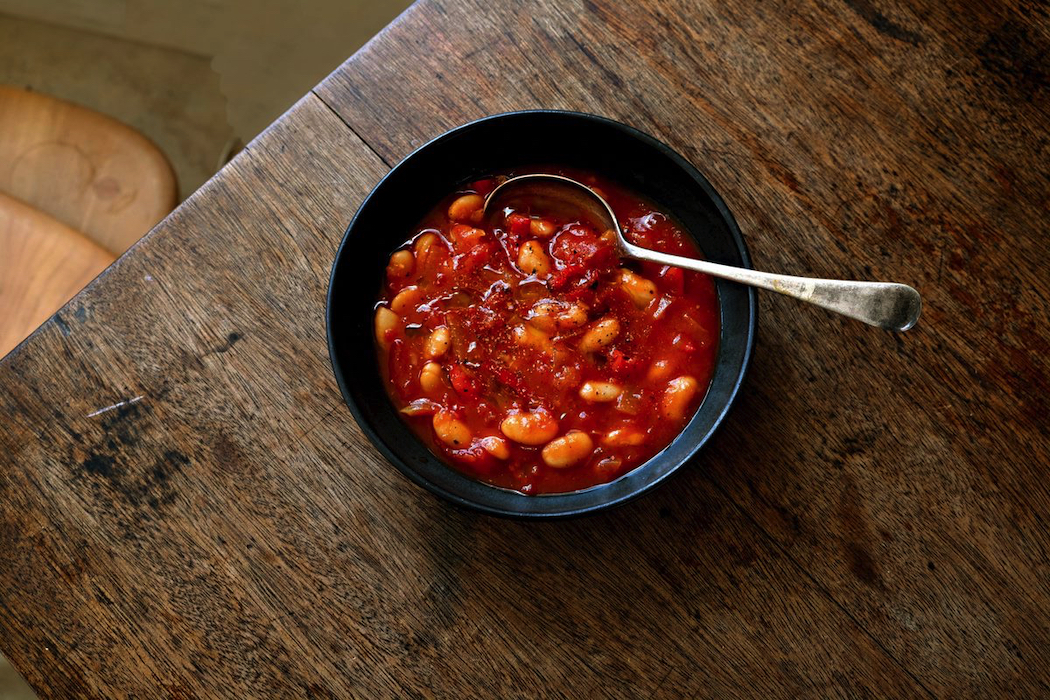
{"x": 389, "y": 216}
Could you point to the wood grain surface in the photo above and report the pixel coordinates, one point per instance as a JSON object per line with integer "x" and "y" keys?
{"x": 188, "y": 510}
{"x": 85, "y": 169}
{"x": 43, "y": 263}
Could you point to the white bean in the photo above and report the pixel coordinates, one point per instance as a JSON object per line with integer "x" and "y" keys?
{"x": 623, "y": 437}
{"x": 550, "y": 315}
{"x": 528, "y": 336}
{"x": 496, "y": 446}
{"x": 532, "y": 260}
{"x": 529, "y": 427}
{"x": 600, "y": 392}
{"x": 675, "y": 401}
{"x": 430, "y": 377}
{"x": 406, "y": 300}
{"x": 542, "y": 317}
{"x": 401, "y": 265}
{"x": 463, "y": 207}
{"x": 600, "y": 334}
{"x": 438, "y": 343}
{"x": 426, "y": 243}
{"x": 386, "y": 322}
{"x": 428, "y": 246}
{"x": 573, "y": 316}
{"x": 639, "y": 289}
{"x": 569, "y": 449}
{"x": 541, "y": 228}
{"x": 450, "y": 429}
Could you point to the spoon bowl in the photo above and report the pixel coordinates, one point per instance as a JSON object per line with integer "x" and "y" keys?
{"x": 887, "y": 305}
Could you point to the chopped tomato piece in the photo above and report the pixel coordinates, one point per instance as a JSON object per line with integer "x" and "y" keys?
{"x": 483, "y": 187}
{"x": 473, "y": 259}
{"x": 466, "y": 237}
{"x": 464, "y": 382}
{"x": 621, "y": 365}
{"x": 519, "y": 224}
{"x": 401, "y": 362}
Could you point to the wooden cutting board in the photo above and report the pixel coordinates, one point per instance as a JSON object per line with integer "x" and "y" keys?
{"x": 85, "y": 169}
{"x": 43, "y": 263}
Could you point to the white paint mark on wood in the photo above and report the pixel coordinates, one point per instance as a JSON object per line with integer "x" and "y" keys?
{"x": 114, "y": 406}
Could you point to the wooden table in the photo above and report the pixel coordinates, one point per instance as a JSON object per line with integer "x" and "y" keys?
{"x": 187, "y": 508}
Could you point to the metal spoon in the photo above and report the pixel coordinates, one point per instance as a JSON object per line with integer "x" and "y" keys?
{"x": 888, "y": 305}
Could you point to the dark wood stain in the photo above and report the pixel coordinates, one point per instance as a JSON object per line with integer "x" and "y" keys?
{"x": 99, "y": 465}
{"x": 1019, "y": 56}
{"x": 153, "y": 486}
{"x": 231, "y": 340}
{"x": 121, "y": 424}
{"x": 881, "y": 23}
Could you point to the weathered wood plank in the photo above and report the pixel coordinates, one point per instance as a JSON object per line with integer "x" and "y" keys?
{"x": 187, "y": 508}
{"x": 902, "y": 141}
{"x": 112, "y": 582}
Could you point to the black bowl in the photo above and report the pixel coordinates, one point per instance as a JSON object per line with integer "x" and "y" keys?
{"x": 390, "y": 214}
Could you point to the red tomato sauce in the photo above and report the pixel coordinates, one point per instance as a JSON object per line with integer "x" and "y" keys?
{"x": 529, "y": 355}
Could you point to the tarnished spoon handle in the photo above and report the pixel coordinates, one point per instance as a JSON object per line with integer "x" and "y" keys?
{"x": 888, "y": 305}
